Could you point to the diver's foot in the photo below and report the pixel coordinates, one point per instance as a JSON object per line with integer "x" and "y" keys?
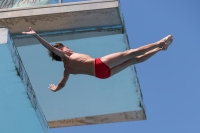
{"x": 167, "y": 41}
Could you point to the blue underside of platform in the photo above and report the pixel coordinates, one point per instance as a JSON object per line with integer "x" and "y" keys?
{"x": 83, "y": 95}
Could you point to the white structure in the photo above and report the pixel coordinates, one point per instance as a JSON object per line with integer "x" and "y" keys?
{"x": 92, "y": 27}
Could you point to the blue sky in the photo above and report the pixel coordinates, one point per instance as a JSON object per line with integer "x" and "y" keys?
{"x": 169, "y": 80}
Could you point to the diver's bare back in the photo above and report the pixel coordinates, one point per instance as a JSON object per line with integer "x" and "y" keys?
{"x": 77, "y": 63}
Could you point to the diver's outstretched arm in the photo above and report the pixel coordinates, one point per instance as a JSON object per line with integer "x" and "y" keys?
{"x": 61, "y": 84}
{"x": 45, "y": 43}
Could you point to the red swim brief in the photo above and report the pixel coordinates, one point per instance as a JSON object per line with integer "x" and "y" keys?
{"x": 102, "y": 71}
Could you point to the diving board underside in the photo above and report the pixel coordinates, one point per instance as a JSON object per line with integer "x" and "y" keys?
{"x": 85, "y": 99}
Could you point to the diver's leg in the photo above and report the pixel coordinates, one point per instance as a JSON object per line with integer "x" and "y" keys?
{"x": 115, "y": 59}
{"x": 161, "y": 43}
{"x": 137, "y": 59}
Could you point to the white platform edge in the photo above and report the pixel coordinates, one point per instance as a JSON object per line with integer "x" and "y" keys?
{"x": 3, "y": 36}
{"x": 58, "y": 8}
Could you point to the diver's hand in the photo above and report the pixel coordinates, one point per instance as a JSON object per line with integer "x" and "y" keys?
{"x": 31, "y": 32}
{"x": 53, "y": 87}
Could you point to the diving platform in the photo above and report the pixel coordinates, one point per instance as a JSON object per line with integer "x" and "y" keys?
{"x": 95, "y": 28}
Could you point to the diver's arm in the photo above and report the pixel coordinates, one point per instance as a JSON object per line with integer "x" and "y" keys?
{"x": 45, "y": 43}
{"x": 61, "y": 84}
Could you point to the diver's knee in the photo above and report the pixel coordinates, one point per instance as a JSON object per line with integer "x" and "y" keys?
{"x": 132, "y": 52}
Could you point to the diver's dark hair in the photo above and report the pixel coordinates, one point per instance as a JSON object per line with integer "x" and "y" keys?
{"x": 53, "y": 55}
